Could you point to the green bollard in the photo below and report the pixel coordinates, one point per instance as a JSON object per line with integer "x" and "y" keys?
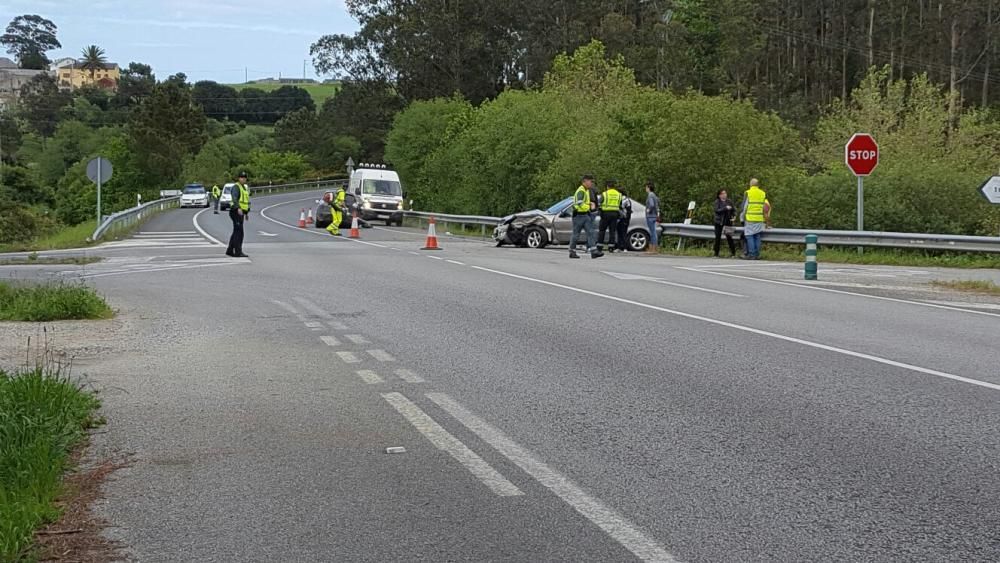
{"x": 811, "y": 265}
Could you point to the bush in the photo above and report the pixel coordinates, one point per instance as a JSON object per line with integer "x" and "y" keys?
{"x": 50, "y": 302}
{"x": 43, "y": 416}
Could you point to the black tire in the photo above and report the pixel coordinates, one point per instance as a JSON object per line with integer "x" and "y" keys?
{"x": 638, "y": 240}
{"x": 399, "y": 223}
{"x": 388, "y": 222}
{"x": 535, "y": 237}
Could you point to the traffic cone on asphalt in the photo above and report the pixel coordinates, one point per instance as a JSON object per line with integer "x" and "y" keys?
{"x": 309, "y": 218}
{"x": 302, "y": 219}
{"x": 432, "y": 239}
{"x": 355, "y": 232}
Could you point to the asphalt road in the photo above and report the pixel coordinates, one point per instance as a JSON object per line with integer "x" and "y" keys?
{"x": 627, "y": 408}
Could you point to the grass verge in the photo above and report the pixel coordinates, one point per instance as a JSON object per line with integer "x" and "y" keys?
{"x": 971, "y": 286}
{"x": 69, "y": 237}
{"x": 51, "y": 302}
{"x": 43, "y": 417}
{"x": 838, "y": 255}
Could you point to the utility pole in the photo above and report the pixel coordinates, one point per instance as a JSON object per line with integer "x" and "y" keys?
{"x": 246, "y": 75}
{"x": 304, "y": 69}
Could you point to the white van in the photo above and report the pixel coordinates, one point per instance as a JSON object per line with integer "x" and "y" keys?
{"x": 379, "y": 193}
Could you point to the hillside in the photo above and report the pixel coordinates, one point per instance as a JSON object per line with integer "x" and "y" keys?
{"x": 319, "y": 92}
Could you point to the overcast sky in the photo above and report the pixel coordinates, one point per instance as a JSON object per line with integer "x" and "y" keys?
{"x": 205, "y": 39}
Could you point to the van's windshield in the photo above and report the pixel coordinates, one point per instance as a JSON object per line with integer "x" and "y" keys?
{"x": 381, "y": 187}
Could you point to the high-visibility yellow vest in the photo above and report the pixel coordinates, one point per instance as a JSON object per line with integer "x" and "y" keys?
{"x": 755, "y": 205}
{"x": 612, "y": 200}
{"x": 581, "y": 205}
{"x": 216, "y": 192}
{"x": 244, "y": 201}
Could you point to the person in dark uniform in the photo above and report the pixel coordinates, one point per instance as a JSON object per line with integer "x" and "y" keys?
{"x": 239, "y": 212}
{"x": 623, "y": 222}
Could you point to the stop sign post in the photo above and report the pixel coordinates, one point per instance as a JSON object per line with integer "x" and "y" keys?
{"x": 861, "y": 156}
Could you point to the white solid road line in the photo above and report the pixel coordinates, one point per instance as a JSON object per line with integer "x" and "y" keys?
{"x": 357, "y": 339}
{"x": 381, "y": 355}
{"x": 456, "y": 262}
{"x": 167, "y": 233}
{"x": 349, "y": 357}
{"x": 840, "y": 291}
{"x": 330, "y": 340}
{"x": 163, "y": 269}
{"x": 408, "y": 376}
{"x": 775, "y": 335}
{"x": 370, "y": 377}
{"x": 450, "y": 444}
{"x": 614, "y": 524}
{"x": 197, "y": 227}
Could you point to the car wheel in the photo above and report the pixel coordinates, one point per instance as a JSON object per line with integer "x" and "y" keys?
{"x": 388, "y": 222}
{"x": 638, "y": 240}
{"x": 535, "y": 238}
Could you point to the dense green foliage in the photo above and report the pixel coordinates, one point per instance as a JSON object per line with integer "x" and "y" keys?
{"x": 43, "y": 416}
{"x": 528, "y": 149}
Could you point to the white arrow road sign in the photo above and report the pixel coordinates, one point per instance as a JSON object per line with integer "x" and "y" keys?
{"x": 991, "y": 189}
{"x": 622, "y": 276}
{"x": 264, "y": 234}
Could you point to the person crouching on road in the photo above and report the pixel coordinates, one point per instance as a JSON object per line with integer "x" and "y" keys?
{"x": 337, "y": 212}
{"x": 611, "y": 205}
{"x": 216, "y": 194}
{"x": 624, "y": 221}
{"x": 239, "y": 212}
{"x": 582, "y": 207}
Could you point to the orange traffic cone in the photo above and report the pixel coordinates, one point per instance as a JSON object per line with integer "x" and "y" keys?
{"x": 432, "y": 239}
{"x": 355, "y": 232}
{"x": 302, "y": 219}
{"x": 309, "y": 218}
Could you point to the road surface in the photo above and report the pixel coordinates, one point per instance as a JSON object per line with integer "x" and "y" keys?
{"x": 622, "y": 409}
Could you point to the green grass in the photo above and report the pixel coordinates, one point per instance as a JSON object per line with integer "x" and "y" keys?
{"x": 43, "y": 417}
{"x": 50, "y": 302}
{"x": 319, "y": 92}
{"x": 843, "y": 255}
{"x": 972, "y": 286}
{"x": 68, "y": 237}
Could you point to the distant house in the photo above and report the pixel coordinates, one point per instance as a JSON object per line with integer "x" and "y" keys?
{"x": 12, "y": 80}
{"x": 6, "y": 63}
{"x": 71, "y": 75}
{"x": 296, "y": 81}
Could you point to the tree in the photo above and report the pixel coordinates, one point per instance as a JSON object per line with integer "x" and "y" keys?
{"x": 41, "y": 103}
{"x": 288, "y": 99}
{"x": 164, "y": 130}
{"x": 216, "y": 100}
{"x": 11, "y": 135}
{"x": 28, "y": 37}
{"x": 267, "y": 166}
{"x": 93, "y": 59}
{"x": 135, "y": 84}
{"x": 363, "y": 110}
{"x": 298, "y": 131}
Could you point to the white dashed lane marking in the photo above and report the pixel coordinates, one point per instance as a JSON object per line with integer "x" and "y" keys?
{"x": 381, "y": 355}
{"x": 408, "y": 376}
{"x": 370, "y": 377}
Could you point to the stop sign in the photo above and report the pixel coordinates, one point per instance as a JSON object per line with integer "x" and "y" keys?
{"x": 861, "y": 154}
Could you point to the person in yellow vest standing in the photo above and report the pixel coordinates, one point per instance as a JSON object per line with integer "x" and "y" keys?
{"x": 582, "y": 207}
{"x": 611, "y": 206}
{"x": 754, "y": 217}
{"x": 216, "y": 194}
{"x": 337, "y": 212}
{"x": 239, "y": 212}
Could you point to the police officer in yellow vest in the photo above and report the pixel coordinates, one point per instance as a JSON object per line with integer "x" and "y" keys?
{"x": 582, "y": 207}
{"x": 337, "y": 212}
{"x": 239, "y": 212}
{"x": 754, "y": 217}
{"x": 611, "y": 206}
{"x": 216, "y": 194}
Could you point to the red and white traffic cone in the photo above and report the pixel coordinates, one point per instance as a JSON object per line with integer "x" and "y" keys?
{"x": 309, "y": 218}
{"x": 302, "y": 219}
{"x": 355, "y": 231}
{"x": 432, "y": 239}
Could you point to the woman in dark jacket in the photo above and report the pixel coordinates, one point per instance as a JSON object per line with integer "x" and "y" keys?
{"x": 724, "y": 213}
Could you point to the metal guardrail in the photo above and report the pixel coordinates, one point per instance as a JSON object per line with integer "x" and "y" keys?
{"x": 878, "y": 239}
{"x": 135, "y": 215}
